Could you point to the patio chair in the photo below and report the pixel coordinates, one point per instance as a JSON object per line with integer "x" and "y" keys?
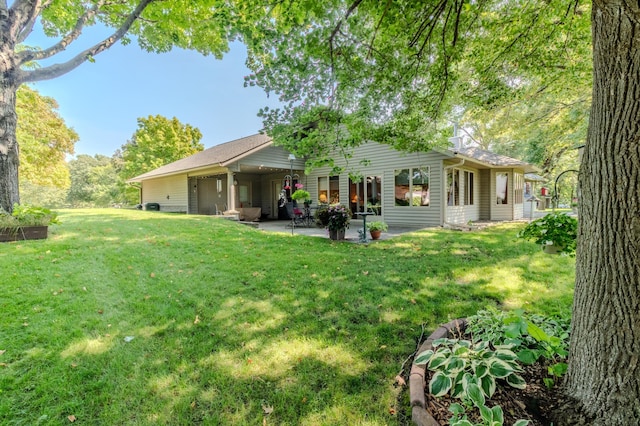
{"x": 294, "y": 213}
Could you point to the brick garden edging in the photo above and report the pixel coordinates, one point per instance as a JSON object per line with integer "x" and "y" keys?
{"x": 419, "y": 413}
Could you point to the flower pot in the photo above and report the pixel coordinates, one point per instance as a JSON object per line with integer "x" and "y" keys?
{"x": 23, "y": 233}
{"x": 375, "y": 235}
{"x": 337, "y": 234}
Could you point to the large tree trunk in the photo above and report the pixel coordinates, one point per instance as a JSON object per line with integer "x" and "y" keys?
{"x": 604, "y": 368}
{"x": 9, "y": 159}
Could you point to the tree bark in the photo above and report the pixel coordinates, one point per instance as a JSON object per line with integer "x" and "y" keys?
{"x": 604, "y": 369}
{"x": 9, "y": 159}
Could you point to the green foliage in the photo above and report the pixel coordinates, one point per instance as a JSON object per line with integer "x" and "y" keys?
{"x": 531, "y": 337}
{"x": 321, "y": 215}
{"x": 339, "y": 217}
{"x": 25, "y": 215}
{"x": 158, "y": 141}
{"x": 94, "y": 182}
{"x": 44, "y": 195}
{"x": 45, "y": 140}
{"x": 458, "y": 363}
{"x": 301, "y": 194}
{"x": 377, "y": 225}
{"x": 400, "y": 72}
{"x": 558, "y": 229}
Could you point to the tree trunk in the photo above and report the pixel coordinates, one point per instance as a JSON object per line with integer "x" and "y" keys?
{"x": 604, "y": 369}
{"x": 9, "y": 158}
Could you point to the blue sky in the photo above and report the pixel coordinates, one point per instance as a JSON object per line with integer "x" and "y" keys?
{"x": 103, "y": 100}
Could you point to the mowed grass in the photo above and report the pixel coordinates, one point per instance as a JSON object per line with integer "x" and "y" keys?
{"x": 233, "y": 325}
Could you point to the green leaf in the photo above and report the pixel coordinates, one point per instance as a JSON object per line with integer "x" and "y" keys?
{"x": 500, "y": 368}
{"x": 558, "y": 369}
{"x": 516, "y": 381}
{"x": 498, "y": 416}
{"x": 481, "y": 370}
{"x": 476, "y": 395}
{"x": 424, "y": 357}
{"x": 455, "y": 365}
{"x": 456, "y": 408}
{"x": 440, "y": 384}
{"x": 521, "y": 422}
{"x": 486, "y": 413}
{"x": 549, "y": 382}
{"x": 505, "y": 355}
{"x": 437, "y": 360}
{"x": 488, "y": 384}
{"x": 537, "y": 333}
{"x": 527, "y": 356}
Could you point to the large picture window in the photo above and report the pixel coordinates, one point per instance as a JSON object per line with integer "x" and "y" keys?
{"x": 412, "y": 187}
{"x": 502, "y": 188}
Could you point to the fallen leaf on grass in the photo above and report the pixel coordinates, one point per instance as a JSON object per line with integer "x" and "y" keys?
{"x": 365, "y": 272}
{"x": 2, "y": 351}
{"x": 71, "y": 418}
{"x": 267, "y": 409}
{"x": 197, "y": 320}
{"x": 413, "y": 301}
{"x": 400, "y": 380}
{"x": 152, "y": 275}
{"x": 3, "y": 364}
{"x": 392, "y": 411}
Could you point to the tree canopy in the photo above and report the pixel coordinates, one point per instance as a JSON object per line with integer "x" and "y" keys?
{"x": 44, "y": 138}
{"x": 403, "y": 72}
{"x": 158, "y": 141}
{"x": 157, "y": 26}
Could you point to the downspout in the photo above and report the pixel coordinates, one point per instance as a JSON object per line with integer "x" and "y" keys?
{"x": 444, "y": 190}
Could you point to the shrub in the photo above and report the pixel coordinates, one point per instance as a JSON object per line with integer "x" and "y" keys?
{"x": 558, "y": 229}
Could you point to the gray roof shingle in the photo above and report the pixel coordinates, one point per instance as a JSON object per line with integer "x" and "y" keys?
{"x": 493, "y": 159}
{"x": 221, "y": 155}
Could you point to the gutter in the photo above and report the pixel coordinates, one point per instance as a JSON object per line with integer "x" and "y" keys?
{"x": 444, "y": 190}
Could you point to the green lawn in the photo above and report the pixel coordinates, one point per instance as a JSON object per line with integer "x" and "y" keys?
{"x": 230, "y": 323}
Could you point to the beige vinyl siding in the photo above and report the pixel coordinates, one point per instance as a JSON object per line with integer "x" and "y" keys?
{"x": 484, "y": 193}
{"x": 170, "y": 192}
{"x": 463, "y": 213}
{"x": 382, "y": 160}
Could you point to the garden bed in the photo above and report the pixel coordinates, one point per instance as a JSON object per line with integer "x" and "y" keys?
{"x": 536, "y": 403}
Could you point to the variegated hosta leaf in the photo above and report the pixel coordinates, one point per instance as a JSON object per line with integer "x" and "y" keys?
{"x": 439, "y": 384}
{"x": 423, "y": 357}
{"x": 500, "y": 368}
{"x": 488, "y": 385}
{"x": 516, "y": 381}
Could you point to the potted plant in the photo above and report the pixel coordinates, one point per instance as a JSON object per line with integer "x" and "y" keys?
{"x": 376, "y": 228}
{"x": 26, "y": 223}
{"x": 338, "y": 218}
{"x": 555, "y": 232}
{"x": 301, "y": 194}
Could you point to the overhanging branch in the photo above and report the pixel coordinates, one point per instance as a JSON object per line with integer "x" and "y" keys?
{"x": 57, "y": 70}
{"x": 36, "y": 55}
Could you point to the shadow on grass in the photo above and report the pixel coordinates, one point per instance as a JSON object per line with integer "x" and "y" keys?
{"x": 229, "y": 322}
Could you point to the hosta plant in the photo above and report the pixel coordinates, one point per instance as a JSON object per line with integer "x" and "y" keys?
{"x": 455, "y": 362}
{"x": 531, "y": 337}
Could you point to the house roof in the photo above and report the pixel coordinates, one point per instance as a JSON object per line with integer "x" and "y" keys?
{"x": 492, "y": 159}
{"x": 219, "y": 155}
